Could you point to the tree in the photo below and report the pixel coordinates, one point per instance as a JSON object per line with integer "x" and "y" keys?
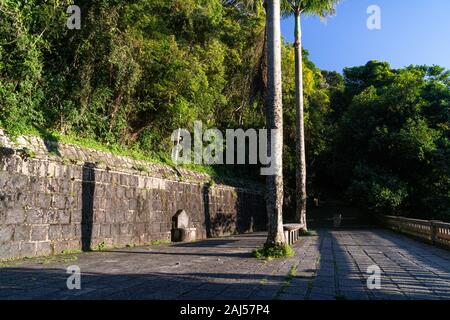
{"x": 297, "y": 8}
{"x": 398, "y": 123}
{"x": 275, "y": 122}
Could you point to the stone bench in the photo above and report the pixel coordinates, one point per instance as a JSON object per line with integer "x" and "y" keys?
{"x": 291, "y": 232}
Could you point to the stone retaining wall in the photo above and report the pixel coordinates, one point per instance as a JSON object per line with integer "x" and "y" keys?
{"x": 56, "y": 197}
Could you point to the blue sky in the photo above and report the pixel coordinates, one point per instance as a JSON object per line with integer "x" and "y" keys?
{"x": 412, "y": 32}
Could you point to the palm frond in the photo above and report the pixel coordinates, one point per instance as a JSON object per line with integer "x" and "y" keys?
{"x": 322, "y": 8}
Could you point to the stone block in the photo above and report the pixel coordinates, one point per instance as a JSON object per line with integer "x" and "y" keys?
{"x": 110, "y": 217}
{"x": 64, "y": 216}
{"x": 34, "y": 216}
{"x": 99, "y": 191}
{"x": 124, "y": 179}
{"x": 71, "y": 201}
{"x": 27, "y": 249}
{"x": 114, "y": 228}
{"x": 51, "y": 216}
{"x": 133, "y": 204}
{"x": 129, "y": 216}
{"x": 51, "y": 169}
{"x": 75, "y": 216}
{"x": 39, "y": 233}
{"x": 99, "y": 216}
{"x": 42, "y": 169}
{"x": 105, "y": 230}
{"x": 59, "y": 246}
{"x": 184, "y": 235}
{"x": 133, "y": 181}
{"x": 155, "y": 228}
{"x": 95, "y": 231}
{"x": 78, "y": 200}
{"x": 125, "y": 239}
{"x": 67, "y": 232}
{"x": 44, "y": 248}
{"x": 129, "y": 193}
{"x": 120, "y": 192}
{"x": 36, "y": 185}
{"x": 77, "y": 231}
{"x": 19, "y": 182}
{"x": 124, "y": 229}
{"x": 54, "y": 232}
{"x": 59, "y": 201}
{"x": 64, "y": 186}
{"x": 101, "y": 203}
{"x": 73, "y": 244}
{"x": 22, "y": 233}
{"x": 3, "y": 211}
{"x": 43, "y": 200}
{"x": 15, "y": 216}
{"x": 6, "y": 233}
{"x": 120, "y": 216}
{"x": 10, "y": 250}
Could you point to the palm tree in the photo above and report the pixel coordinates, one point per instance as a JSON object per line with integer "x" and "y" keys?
{"x": 274, "y": 121}
{"x": 267, "y": 82}
{"x": 321, "y": 8}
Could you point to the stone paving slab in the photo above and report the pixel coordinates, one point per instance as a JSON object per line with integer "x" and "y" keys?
{"x": 331, "y": 265}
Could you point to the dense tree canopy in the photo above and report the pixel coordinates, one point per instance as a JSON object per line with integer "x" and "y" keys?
{"x": 391, "y": 147}
{"x": 136, "y": 70}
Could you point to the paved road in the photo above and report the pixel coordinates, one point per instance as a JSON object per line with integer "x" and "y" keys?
{"x": 332, "y": 265}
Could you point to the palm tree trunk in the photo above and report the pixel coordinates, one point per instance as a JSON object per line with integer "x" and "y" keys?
{"x": 274, "y": 121}
{"x": 300, "y": 141}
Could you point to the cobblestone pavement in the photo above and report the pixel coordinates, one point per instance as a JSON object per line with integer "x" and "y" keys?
{"x": 332, "y": 265}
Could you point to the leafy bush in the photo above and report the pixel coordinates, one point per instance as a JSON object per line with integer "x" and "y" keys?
{"x": 380, "y": 192}
{"x": 270, "y": 252}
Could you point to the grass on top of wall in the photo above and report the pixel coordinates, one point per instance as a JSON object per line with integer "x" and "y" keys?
{"x": 217, "y": 173}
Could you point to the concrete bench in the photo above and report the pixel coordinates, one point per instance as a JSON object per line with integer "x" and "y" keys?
{"x": 291, "y": 232}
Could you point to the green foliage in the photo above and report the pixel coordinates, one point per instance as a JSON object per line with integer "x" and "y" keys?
{"x": 133, "y": 73}
{"x": 137, "y": 70}
{"x": 141, "y": 168}
{"x": 381, "y": 192}
{"x": 100, "y": 247}
{"x": 320, "y": 8}
{"x": 317, "y": 126}
{"x": 270, "y": 252}
{"x": 391, "y": 128}
{"x": 26, "y": 153}
{"x": 71, "y": 251}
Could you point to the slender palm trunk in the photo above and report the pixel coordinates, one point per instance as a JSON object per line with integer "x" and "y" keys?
{"x": 275, "y": 121}
{"x": 300, "y": 141}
